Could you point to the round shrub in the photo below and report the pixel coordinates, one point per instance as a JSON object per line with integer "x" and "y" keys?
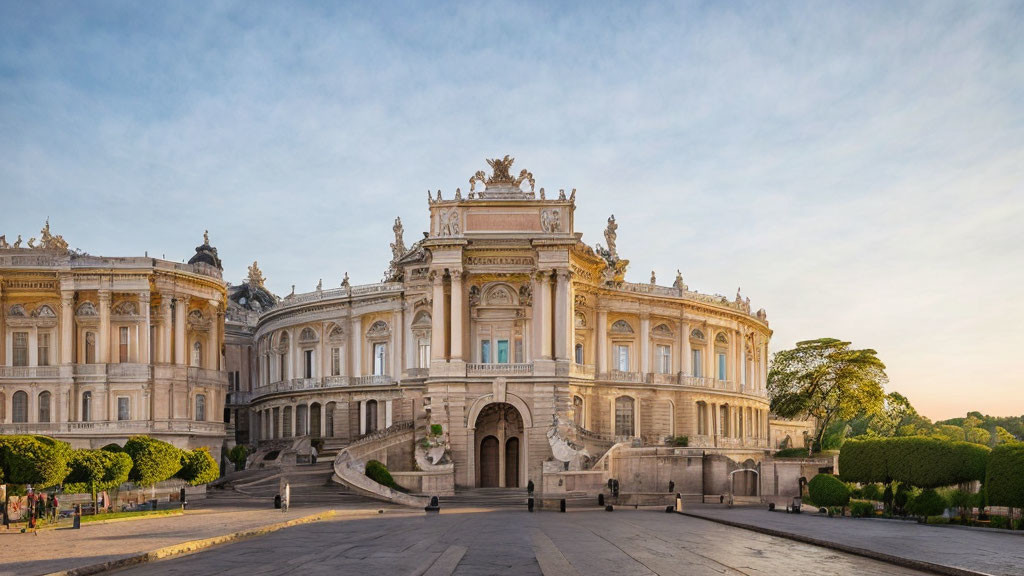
{"x": 198, "y": 467}
{"x": 860, "y": 509}
{"x": 827, "y": 490}
{"x": 238, "y": 455}
{"x": 871, "y": 492}
{"x": 36, "y": 460}
{"x": 154, "y": 460}
{"x": 96, "y": 470}
{"x": 1004, "y": 479}
{"x": 378, "y": 472}
{"x": 927, "y": 503}
{"x": 113, "y": 447}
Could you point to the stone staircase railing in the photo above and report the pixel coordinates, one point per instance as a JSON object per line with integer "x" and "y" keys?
{"x": 350, "y": 465}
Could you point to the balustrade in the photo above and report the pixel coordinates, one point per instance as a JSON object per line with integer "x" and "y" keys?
{"x": 499, "y": 369}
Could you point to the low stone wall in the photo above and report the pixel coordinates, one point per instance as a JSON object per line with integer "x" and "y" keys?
{"x": 427, "y": 483}
{"x": 590, "y": 482}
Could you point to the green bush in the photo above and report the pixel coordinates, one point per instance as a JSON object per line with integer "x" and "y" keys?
{"x": 900, "y": 499}
{"x": 96, "y": 470}
{"x": 861, "y": 509}
{"x": 198, "y": 467}
{"x": 872, "y": 492}
{"x": 927, "y": 503}
{"x": 999, "y": 522}
{"x": 791, "y": 453}
{"x": 238, "y": 455}
{"x": 113, "y": 447}
{"x": 378, "y": 472}
{"x": 827, "y": 490}
{"x": 436, "y": 429}
{"x": 915, "y": 460}
{"x": 681, "y": 441}
{"x": 153, "y": 460}
{"x": 1004, "y": 479}
{"x": 36, "y": 460}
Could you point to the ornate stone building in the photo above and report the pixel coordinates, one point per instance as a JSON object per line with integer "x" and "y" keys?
{"x": 98, "y": 349}
{"x": 526, "y": 345}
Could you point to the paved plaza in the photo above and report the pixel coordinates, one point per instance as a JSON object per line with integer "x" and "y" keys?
{"x": 467, "y": 541}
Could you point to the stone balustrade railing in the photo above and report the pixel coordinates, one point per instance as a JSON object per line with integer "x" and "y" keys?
{"x": 331, "y": 293}
{"x": 581, "y": 370}
{"x": 115, "y": 427}
{"x": 655, "y": 290}
{"x": 130, "y": 371}
{"x": 680, "y": 379}
{"x": 499, "y": 369}
{"x": 30, "y": 372}
{"x": 619, "y": 376}
{"x": 300, "y": 384}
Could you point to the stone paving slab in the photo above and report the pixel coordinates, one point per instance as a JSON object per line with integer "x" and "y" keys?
{"x": 516, "y": 542}
{"x": 979, "y": 551}
{"x": 63, "y": 549}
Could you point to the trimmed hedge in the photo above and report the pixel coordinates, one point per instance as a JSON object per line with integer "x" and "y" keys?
{"x": 827, "y": 490}
{"x": 927, "y": 503}
{"x": 862, "y": 509}
{"x": 100, "y": 469}
{"x": 37, "y": 460}
{"x": 378, "y": 472}
{"x": 154, "y": 460}
{"x": 915, "y": 460}
{"x": 113, "y": 447}
{"x": 1004, "y": 480}
{"x": 198, "y": 467}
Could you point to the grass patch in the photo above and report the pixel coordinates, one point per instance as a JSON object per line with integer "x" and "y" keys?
{"x": 136, "y": 514}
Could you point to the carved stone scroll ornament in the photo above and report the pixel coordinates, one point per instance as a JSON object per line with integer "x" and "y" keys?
{"x": 501, "y": 176}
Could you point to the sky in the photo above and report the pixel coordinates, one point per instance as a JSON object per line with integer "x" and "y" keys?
{"x": 857, "y": 168}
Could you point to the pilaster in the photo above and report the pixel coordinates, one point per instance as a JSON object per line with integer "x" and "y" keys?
{"x": 103, "y": 348}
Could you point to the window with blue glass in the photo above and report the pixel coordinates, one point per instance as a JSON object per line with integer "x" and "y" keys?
{"x": 721, "y": 366}
{"x": 503, "y": 351}
{"x": 485, "y": 351}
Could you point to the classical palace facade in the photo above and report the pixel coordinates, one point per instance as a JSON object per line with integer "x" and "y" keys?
{"x": 98, "y": 349}
{"x": 526, "y": 345}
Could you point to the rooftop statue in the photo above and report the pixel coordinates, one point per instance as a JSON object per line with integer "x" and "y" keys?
{"x": 610, "y": 236}
{"x": 256, "y": 278}
{"x": 501, "y": 176}
{"x": 398, "y": 246}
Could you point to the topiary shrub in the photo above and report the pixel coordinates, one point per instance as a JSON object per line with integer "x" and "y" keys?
{"x": 96, "y": 470}
{"x": 900, "y": 499}
{"x": 36, "y": 460}
{"x": 198, "y": 467}
{"x": 827, "y": 490}
{"x": 378, "y": 472}
{"x": 153, "y": 460}
{"x": 436, "y": 429}
{"x": 927, "y": 503}
{"x": 113, "y": 447}
{"x": 871, "y": 492}
{"x": 1004, "y": 479}
{"x": 861, "y": 509}
{"x": 238, "y": 455}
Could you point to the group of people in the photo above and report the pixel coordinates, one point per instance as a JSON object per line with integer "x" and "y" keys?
{"x": 42, "y": 506}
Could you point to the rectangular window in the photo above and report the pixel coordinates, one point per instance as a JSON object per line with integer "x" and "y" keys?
{"x": 721, "y": 366}
{"x": 622, "y": 358}
{"x": 697, "y": 365}
{"x": 519, "y": 350}
{"x": 663, "y": 359}
{"x": 308, "y": 372}
{"x": 502, "y": 351}
{"x": 335, "y": 361}
{"x": 379, "y": 358}
{"x": 485, "y": 351}
{"x": 122, "y": 408}
{"x": 43, "y": 347}
{"x": 20, "y": 349}
{"x": 424, "y": 353}
{"x": 123, "y": 348}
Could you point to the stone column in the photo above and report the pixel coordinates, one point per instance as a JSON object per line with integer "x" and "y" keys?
{"x": 684, "y": 348}
{"x": 213, "y": 344}
{"x": 388, "y": 413}
{"x": 180, "y": 357}
{"x": 67, "y": 326}
{"x": 645, "y": 343}
{"x": 709, "y": 360}
{"x": 362, "y": 417}
{"x": 356, "y": 346}
{"x": 103, "y": 346}
{"x": 456, "y": 311}
{"x": 397, "y": 355}
{"x": 563, "y": 316}
{"x": 144, "y": 345}
{"x": 3, "y": 327}
{"x": 537, "y": 318}
{"x": 601, "y": 331}
{"x": 163, "y": 351}
{"x": 544, "y": 302}
{"x": 437, "y": 328}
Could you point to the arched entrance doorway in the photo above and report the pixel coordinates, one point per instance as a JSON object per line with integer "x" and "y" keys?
{"x": 745, "y": 480}
{"x": 499, "y": 429}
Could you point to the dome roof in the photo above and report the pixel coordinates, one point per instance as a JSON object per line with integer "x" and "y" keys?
{"x": 206, "y": 254}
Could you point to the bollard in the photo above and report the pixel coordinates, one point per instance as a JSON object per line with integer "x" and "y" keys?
{"x": 771, "y": 506}
{"x": 561, "y": 505}
{"x": 529, "y": 504}
{"x": 600, "y": 499}
{"x": 277, "y": 501}
{"x": 679, "y": 502}
{"x": 76, "y": 522}
{"x": 608, "y": 508}
{"x": 671, "y": 486}
{"x": 434, "y": 506}
{"x": 181, "y": 498}
{"x": 670, "y": 508}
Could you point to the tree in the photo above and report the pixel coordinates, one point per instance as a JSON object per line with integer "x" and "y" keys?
{"x": 1002, "y": 436}
{"x": 96, "y": 470}
{"x": 198, "y": 467}
{"x": 827, "y": 490}
{"x": 36, "y": 460}
{"x": 1004, "y": 480}
{"x": 237, "y": 456}
{"x": 153, "y": 460}
{"x": 826, "y": 379}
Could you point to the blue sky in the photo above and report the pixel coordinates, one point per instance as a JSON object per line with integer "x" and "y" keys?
{"x": 857, "y": 168}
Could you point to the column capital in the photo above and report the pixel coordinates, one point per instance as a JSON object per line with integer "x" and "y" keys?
{"x": 543, "y": 276}
{"x": 67, "y": 297}
{"x": 104, "y": 296}
{"x": 563, "y": 274}
{"x": 456, "y": 274}
{"x": 436, "y": 276}
{"x": 144, "y": 296}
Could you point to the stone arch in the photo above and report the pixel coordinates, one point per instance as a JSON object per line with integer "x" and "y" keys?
{"x": 500, "y": 294}
{"x": 308, "y": 336}
{"x": 480, "y": 403}
{"x": 621, "y": 327}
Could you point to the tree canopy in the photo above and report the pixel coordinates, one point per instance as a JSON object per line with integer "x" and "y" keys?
{"x": 827, "y": 379}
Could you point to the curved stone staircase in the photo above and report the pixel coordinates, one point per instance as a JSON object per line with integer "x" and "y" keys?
{"x": 350, "y": 465}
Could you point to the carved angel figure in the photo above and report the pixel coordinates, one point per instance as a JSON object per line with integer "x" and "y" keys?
{"x": 500, "y": 169}
{"x": 610, "y": 236}
{"x": 654, "y": 280}
{"x": 525, "y": 176}
{"x": 17, "y": 243}
{"x": 32, "y": 242}
{"x": 398, "y": 246}
{"x": 449, "y": 223}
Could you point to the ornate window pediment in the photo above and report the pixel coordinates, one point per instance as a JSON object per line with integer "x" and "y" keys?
{"x": 696, "y": 335}
{"x": 126, "y": 308}
{"x": 16, "y": 311}
{"x": 500, "y": 295}
{"x": 662, "y": 330}
{"x": 622, "y": 327}
{"x": 336, "y": 335}
{"x": 721, "y": 338}
{"x": 282, "y": 343}
{"x": 379, "y": 328}
{"x": 87, "y": 309}
{"x": 308, "y": 336}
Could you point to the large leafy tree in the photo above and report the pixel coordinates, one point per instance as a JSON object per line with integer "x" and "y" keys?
{"x": 826, "y": 379}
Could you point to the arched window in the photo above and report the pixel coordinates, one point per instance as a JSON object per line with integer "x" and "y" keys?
{"x": 579, "y": 353}
{"x": 86, "y": 406}
{"x": 371, "y": 416}
{"x": 282, "y": 347}
{"x": 201, "y": 407}
{"x": 624, "y": 406}
{"x": 44, "y": 407}
{"x": 197, "y": 353}
{"x": 19, "y": 407}
{"x": 287, "y": 425}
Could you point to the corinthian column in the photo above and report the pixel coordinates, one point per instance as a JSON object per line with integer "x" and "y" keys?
{"x": 456, "y": 309}
{"x": 437, "y": 328}
{"x": 104, "y": 343}
{"x": 67, "y": 326}
{"x": 601, "y": 330}
{"x": 562, "y": 313}
{"x": 213, "y": 346}
{"x": 179, "y": 331}
{"x": 144, "y": 329}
